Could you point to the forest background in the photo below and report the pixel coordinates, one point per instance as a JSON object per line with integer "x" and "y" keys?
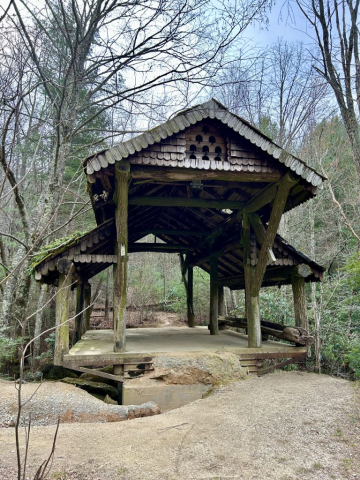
{"x": 78, "y": 76}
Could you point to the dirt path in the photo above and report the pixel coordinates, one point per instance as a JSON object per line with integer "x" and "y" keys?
{"x": 283, "y": 426}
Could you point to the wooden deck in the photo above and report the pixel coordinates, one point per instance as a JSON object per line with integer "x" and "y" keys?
{"x": 142, "y": 344}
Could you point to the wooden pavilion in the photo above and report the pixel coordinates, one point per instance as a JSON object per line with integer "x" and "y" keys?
{"x": 210, "y": 187}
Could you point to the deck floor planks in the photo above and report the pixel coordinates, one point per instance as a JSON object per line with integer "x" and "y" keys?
{"x": 96, "y": 346}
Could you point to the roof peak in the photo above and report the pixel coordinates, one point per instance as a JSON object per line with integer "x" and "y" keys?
{"x": 212, "y": 110}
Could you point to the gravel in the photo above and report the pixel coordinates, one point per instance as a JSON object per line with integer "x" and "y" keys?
{"x": 283, "y": 426}
{"x": 54, "y": 399}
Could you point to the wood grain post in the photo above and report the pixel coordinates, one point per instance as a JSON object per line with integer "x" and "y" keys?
{"x": 221, "y": 302}
{"x": 190, "y": 297}
{"x": 214, "y": 326}
{"x": 78, "y": 331}
{"x": 62, "y": 316}
{"x": 121, "y": 195}
{"x": 87, "y": 302}
{"x": 252, "y": 304}
{"x": 299, "y": 296}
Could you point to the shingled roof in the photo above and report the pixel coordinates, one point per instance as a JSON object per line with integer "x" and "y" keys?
{"x": 211, "y": 109}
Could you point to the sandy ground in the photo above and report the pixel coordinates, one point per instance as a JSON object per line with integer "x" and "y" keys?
{"x": 284, "y": 426}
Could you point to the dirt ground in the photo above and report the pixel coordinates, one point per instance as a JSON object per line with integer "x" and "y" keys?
{"x": 282, "y": 426}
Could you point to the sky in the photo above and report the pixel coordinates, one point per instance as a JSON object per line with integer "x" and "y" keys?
{"x": 281, "y": 24}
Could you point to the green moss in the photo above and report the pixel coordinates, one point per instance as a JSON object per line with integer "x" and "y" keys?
{"x": 54, "y": 248}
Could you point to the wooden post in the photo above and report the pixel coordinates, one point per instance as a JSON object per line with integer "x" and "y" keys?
{"x": 187, "y": 275}
{"x": 221, "y": 302}
{"x": 214, "y": 326}
{"x": 299, "y": 296}
{"x": 252, "y": 304}
{"x": 87, "y": 302}
{"x": 79, "y": 308}
{"x": 190, "y": 297}
{"x": 62, "y": 314}
{"x": 121, "y": 195}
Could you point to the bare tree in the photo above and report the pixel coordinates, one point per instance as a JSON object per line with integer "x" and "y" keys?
{"x": 278, "y": 91}
{"x": 335, "y": 25}
{"x": 87, "y": 58}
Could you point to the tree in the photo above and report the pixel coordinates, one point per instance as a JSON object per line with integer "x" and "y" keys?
{"x": 279, "y": 92}
{"x": 335, "y": 25}
{"x": 84, "y": 59}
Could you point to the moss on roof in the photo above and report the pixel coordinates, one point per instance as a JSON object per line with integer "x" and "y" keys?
{"x": 55, "y": 248}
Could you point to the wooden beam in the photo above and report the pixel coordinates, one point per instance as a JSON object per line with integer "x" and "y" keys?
{"x": 221, "y": 301}
{"x": 260, "y": 233}
{"x": 174, "y": 174}
{"x": 190, "y": 297}
{"x": 87, "y": 303}
{"x": 185, "y": 202}
{"x": 214, "y": 327}
{"x": 277, "y": 210}
{"x": 170, "y": 231}
{"x": 122, "y": 177}
{"x": 188, "y": 279}
{"x": 157, "y": 247}
{"x": 80, "y": 290}
{"x": 299, "y": 297}
{"x": 62, "y": 315}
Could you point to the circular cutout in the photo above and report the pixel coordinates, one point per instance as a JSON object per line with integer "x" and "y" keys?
{"x": 205, "y": 157}
{"x": 212, "y": 139}
{"x": 192, "y": 157}
{"x": 218, "y": 149}
{"x": 192, "y": 148}
{"x": 205, "y": 148}
{"x": 199, "y": 138}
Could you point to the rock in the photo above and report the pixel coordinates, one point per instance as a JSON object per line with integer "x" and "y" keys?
{"x": 110, "y": 401}
{"x": 90, "y": 386}
{"x": 53, "y": 372}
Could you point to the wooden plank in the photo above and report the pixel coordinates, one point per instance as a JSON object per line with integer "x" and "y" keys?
{"x": 98, "y": 373}
{"x": 175, "y": 174}
{"x": 185, "y": 202}
{"x": 122, "y": 177}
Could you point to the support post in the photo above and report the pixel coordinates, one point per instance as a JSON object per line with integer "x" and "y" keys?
{"x": 299, "y": 296}
{"x": 190, "y": 297}
{"x": 252, "y": 304}
{"x": 121, "y": 194}
{"x": 62, "y": 315}
{"x": 214, "y": 325}
{"x": 87, "y": 302}
{"x": 78, "y": 331}
{"x": 221, "y": 302}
